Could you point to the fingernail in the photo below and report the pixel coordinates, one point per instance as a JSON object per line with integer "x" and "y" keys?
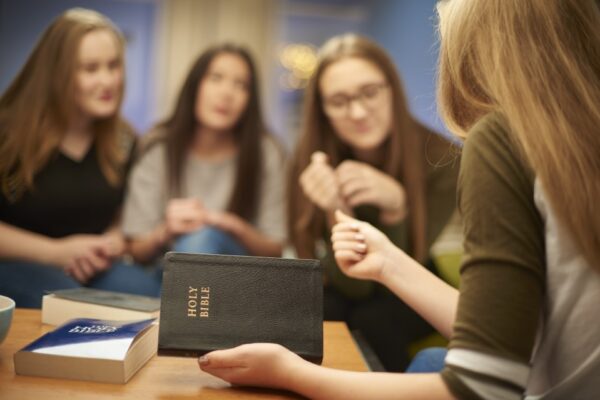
{"x": 203, "y": 360}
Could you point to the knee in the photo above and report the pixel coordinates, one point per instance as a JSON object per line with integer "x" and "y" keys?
{"x": 428, "y": 360}
{"x": 214, "y": 233}
{"x": 206, "y": 233}
{"x": 206, "y": 236}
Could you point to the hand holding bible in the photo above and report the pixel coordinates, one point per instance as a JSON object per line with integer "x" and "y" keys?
{"x": 256, "y": 364}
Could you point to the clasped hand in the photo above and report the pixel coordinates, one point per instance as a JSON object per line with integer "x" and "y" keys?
{"x": 352, "y": 184}
{"x": 84, "y": 256}
{"x": 187, "y": 215}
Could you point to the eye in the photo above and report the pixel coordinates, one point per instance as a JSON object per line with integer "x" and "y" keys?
{"x": 243, "y": 85}
{"x": 370, "y": 91}
{"x": 90, "y": 67}
{"x": 337, "y": 101}
{"x": 114, "y": 64}
{"x": 214, "y": 77}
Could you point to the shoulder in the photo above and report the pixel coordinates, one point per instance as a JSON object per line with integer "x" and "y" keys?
{"x": 496, "y": 194}
{"x": 152, "y": 145}
{"x": 151, "y": 158}
{"x": 126, "y": 140}
{"x": 273, "y": 151}
{"x": 490, "y": 145}
{"x": 156, "y": 135}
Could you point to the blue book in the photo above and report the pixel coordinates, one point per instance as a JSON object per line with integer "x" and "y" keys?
{"x": 90, "y": 349}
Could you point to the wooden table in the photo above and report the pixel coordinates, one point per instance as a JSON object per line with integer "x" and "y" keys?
{"x": 161, "y": 378}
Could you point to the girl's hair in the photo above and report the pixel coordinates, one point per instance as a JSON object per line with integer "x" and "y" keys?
{"x": 536, "y": 62}
{"x": 179, "y": 129}
{"x": 403, "y": 152}
{"x": 39, "y": 105}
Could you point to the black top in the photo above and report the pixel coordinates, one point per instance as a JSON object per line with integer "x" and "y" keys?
{"x": 68, "y": 197}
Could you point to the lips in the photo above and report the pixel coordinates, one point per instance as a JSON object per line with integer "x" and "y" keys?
{"x": 363, "y": 128}
{"x": 107, "y": 97}
{"x": 222, "y": 111}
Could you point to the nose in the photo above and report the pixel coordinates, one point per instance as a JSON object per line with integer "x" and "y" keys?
{"x": 357, "y": 109}
{"x": 108, "y": 76}
{"x": 228, "y": 90}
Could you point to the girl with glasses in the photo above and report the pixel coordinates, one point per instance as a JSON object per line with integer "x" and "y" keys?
{"x": 363, "y": 152}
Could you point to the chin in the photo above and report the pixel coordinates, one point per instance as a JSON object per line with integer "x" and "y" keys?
{"x": 365, "y": 144}
{"x": 219, "y": 126}
{"x": 103, "y": 112}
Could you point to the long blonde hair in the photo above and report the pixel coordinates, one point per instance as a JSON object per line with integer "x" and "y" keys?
{"x": 403, "y": 152}
{"x": 39, "y": 105}
{"x": 537, "y": 62}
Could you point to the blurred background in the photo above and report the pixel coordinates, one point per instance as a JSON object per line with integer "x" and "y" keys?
{"x": 165, "y": 36}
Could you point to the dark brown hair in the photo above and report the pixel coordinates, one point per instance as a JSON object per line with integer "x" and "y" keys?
{"x": 179, "y": 129}
{"x": 403, "y": 152}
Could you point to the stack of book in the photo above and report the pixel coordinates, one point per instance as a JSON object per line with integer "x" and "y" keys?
{"x": 91, "y": 350}
{"x": 101, "y": 336}
{"x": 63, "y": 305}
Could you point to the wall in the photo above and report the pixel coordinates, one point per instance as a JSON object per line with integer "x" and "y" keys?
{"x": 20, "y": 29}
{"x": 407, "y": 29}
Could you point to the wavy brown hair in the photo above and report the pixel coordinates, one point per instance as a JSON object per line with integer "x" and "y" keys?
{"x": 537, "y": 62}
{"x": 403, "y": 151}
{"x": 39, "y": 105}
{"x": 178, "y": 131}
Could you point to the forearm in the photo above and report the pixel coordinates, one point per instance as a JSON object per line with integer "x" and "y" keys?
{"x": 429, "y": 296}
{"x": 17, "y": 244}
{"x": 144, "y": 248}
{"x": 317, "y": 382}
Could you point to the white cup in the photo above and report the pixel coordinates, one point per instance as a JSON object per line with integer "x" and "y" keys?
{"x": 7, "y": 306}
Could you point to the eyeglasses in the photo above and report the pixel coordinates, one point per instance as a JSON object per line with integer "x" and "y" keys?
{"x": 369, "y": 96}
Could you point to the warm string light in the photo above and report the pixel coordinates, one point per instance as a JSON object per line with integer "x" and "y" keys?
{"x": 299, "y": 61}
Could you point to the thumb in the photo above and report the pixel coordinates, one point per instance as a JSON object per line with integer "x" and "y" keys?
{"x": 319, "y": 157}
{"x": 341, "y": 217}
{"x": 229, "y": 358}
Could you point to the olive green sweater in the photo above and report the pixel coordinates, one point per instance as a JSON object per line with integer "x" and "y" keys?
{"x": 526, "y": 318}
{"x": 442, "y": 165}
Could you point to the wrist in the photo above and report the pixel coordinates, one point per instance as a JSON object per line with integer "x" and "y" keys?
{"x": 160, "y": 236}
{"x": 118, "y": 243}
{"x": 393, "y": 215}
{"x": 297, "y": 372}
{"x": 401, "y": 271}
{"x": 394, "y": 266}
{"x": 238, "y": 227}
{"x": 49, "y": 253}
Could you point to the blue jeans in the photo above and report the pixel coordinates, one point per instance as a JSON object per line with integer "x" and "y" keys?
{"x": 428, "y": 360}
{"x": 209, "y": 240}
{"x": 27, "y": 282}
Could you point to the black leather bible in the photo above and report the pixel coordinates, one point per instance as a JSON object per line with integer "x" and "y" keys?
{"x": 211, "y": 302}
